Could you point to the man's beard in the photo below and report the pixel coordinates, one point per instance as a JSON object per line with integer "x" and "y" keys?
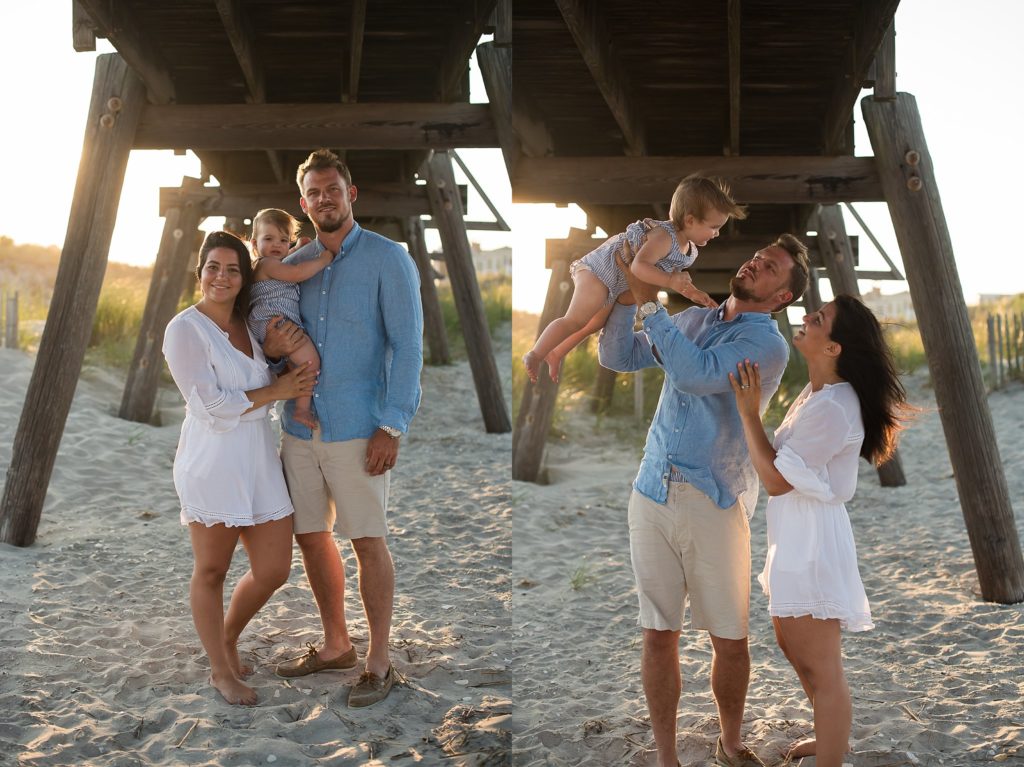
{"x": 740, "y": 291}
{"x": 328, "y": 225}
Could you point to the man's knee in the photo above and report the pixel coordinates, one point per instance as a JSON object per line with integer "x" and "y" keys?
{"x": 368, "y": 549}
{"x": 316, "y": 545}
{"x": 659, "y": 642}
{"x": 731, "y": 650}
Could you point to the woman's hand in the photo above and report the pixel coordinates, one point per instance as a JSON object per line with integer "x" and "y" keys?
{"x": 746, "y": 385}
{"x": 295, "y": 383}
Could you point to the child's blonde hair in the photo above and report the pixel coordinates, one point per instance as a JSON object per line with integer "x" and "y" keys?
{"x": 698, "y": 195}
{"x": 282, "y": 219}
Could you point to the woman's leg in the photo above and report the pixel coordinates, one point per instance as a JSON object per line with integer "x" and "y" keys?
{"x": 588, "y": 297}
{"x": 303, "y": 412}
{"x": 269, "y": 547}
{"x": 212, "y": 548}
{"x": 814, "y": 647}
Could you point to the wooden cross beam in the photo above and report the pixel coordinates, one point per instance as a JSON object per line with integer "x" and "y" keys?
{"x": 300, "y": 126}
{"x": 629, "y": 180}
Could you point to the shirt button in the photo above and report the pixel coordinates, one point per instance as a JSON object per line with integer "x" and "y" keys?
{"x": 322, "y": 319}
{"x": 320, "y": 343}
{"x": 324, "y": 292}
{"x": 316, "y": 395}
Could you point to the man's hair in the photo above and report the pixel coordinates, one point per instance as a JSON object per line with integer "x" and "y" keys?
{"x": 698, "y": 195}
{"x": 322, "y": 159}
{"x": 282, "y": 219}
{"x": 799, "y": 275}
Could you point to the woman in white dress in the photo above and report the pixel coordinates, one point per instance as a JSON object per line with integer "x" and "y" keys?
{"x": 852, "y": 407}
{"x": 227, "y": 471}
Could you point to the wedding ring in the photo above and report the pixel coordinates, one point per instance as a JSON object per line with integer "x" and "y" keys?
{"x": 744, "y": 386}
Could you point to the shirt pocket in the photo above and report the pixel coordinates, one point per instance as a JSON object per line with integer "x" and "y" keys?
{"x": 356, "y": 307}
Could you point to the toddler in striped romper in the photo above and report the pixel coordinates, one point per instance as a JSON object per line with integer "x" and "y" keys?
{"x": 657, "y": 252}
{"x": 275, "y": 291}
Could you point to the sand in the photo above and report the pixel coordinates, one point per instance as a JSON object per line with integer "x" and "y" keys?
{"x": 99, "y": 661}
{"x": 938, "y": 682}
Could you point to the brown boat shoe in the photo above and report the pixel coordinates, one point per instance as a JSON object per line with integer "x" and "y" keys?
{"x": 371, "y": 688}
{"x": 311, "y": 662}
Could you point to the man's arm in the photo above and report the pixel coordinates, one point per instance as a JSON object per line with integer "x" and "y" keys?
{"x": 618, "y": 347}
{"x": 402, "y": 311}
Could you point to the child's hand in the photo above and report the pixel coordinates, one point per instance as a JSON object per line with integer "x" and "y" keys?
{"x": 299, "y": 243}
{"x": 682, "y": 283}
{"x": 746, "y": 385}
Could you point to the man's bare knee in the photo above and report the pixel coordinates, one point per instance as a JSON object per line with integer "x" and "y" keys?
{"x": 660, "y": 641}
{"x": 316, "y": 544}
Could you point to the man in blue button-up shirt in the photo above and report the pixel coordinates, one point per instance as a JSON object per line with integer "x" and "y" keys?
{"x": 696, "y": 488}
{"x": 363, "y": 312}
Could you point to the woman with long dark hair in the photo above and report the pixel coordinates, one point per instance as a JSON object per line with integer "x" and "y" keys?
{"x": 227, "y": 471}
{"x": 851, "y": 408}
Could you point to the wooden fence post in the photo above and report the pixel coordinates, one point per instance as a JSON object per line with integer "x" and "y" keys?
{"x": 446, "y": 208}
{"x": 118, "y": 97}
{"x": 907, "y": 174}
{"x": 999, "y": 351}
{"x": 11, "y": 321}
{"x": 990, "y": 321}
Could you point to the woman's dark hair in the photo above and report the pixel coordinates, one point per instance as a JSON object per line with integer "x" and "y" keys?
{"x": 866, "y": 363}
{"x": 230, "y": 241}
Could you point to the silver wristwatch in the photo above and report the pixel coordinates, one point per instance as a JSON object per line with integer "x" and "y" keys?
{"x": 647, "y": 309}
{"x": 391, "y": 431}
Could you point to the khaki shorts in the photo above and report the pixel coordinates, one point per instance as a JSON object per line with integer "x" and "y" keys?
{"x": 691, "y": 548}
{"x": 331, "y": 490}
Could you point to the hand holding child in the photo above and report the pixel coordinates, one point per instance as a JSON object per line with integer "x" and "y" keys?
{"x": 295, "y": 383}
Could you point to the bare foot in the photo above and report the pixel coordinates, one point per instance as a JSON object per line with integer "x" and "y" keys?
{"x": 554, "y": 366}
{"x": 305, "y": 417}
{"x": 233, "y": 690}
{"x": 532, "y": 366}
{"x": 242, "y": 670}
{"x": 806, "y": 747}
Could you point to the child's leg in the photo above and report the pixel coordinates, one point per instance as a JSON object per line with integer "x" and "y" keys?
{"x": 556, "y": 355}
{"x": 814, "y": 647}
{"x": 304, "y": 405}
{"x": 587, "y": 299}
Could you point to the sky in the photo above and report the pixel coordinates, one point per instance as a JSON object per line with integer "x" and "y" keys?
{"x": 962, "y": 67}
{"x": 46, "y": 90}
{"x": 963, "y": 63}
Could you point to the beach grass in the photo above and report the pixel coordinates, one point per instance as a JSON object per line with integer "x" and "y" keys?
{"x": 496, "y": 292}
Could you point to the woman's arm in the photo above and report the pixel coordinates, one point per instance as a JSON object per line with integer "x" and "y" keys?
{"x": 746, "y": 384}
{"x": 300, "y": 272}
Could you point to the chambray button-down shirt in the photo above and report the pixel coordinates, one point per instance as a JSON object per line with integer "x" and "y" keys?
{"x": 364, "y": 315}
{"x": 696, "y": 434}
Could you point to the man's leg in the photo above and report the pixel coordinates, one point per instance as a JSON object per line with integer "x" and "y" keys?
{"x": 730, "y": 675}
{"x": 326, "y": 574}
{"x": 377, "y": 589}
{"x": 662, "y": 684}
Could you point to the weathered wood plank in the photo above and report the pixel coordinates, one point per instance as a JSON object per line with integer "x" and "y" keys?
{"x": 885, "y": 66}
{"x": 496, "y": 70}
{"x": 628, "y": 180}
{"x": 537, "y": 407}
{"x": 735, "y": 52}
{"x": 165, "y": 288}
{"x": 300, "y": 126}
{"x": 587, "y": 26}
{"x": 433, "y": 320}
{"x": 357, "y": 28}
{"x": 447, "y": 212}
{"x": 122, "y": 30}
{"x": 908, "y": 177}
{"x": 240, "y": 34}
{"x": 502, "y": 20}
{"x": 106, "y": 146}
{"x": 83, "y": 36}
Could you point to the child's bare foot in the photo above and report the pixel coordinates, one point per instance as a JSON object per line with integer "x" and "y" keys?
{"x": 233, "y": 690}
{"x": 305, "y": 417}
{"x": 242, "y": 670}
{"x": 532, "y": 363}
{"x": 554, "y": 366}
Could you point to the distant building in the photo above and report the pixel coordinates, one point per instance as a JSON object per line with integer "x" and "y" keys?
{"x": 894, "y": 307}
{"x": 498, "y": 261}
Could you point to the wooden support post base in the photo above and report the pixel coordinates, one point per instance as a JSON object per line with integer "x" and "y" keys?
{"x": 118, "y": 98}
{"x": 537, "y": 407}
{"x": 447, "y": 212}
{"x": 908, "y": 181}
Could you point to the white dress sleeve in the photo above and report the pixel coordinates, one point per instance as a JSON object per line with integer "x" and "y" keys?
{"x": 816, "y": 436}
{"x": 190, "y": 359}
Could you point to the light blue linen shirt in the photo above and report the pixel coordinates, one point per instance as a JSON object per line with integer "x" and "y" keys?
{"x": 696, "y": 429}
{"x": 364, "y": 315}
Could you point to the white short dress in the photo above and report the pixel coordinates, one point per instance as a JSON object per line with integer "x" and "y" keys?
{"x": 227, "y": 469}
{"x": 811, "y": 567}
